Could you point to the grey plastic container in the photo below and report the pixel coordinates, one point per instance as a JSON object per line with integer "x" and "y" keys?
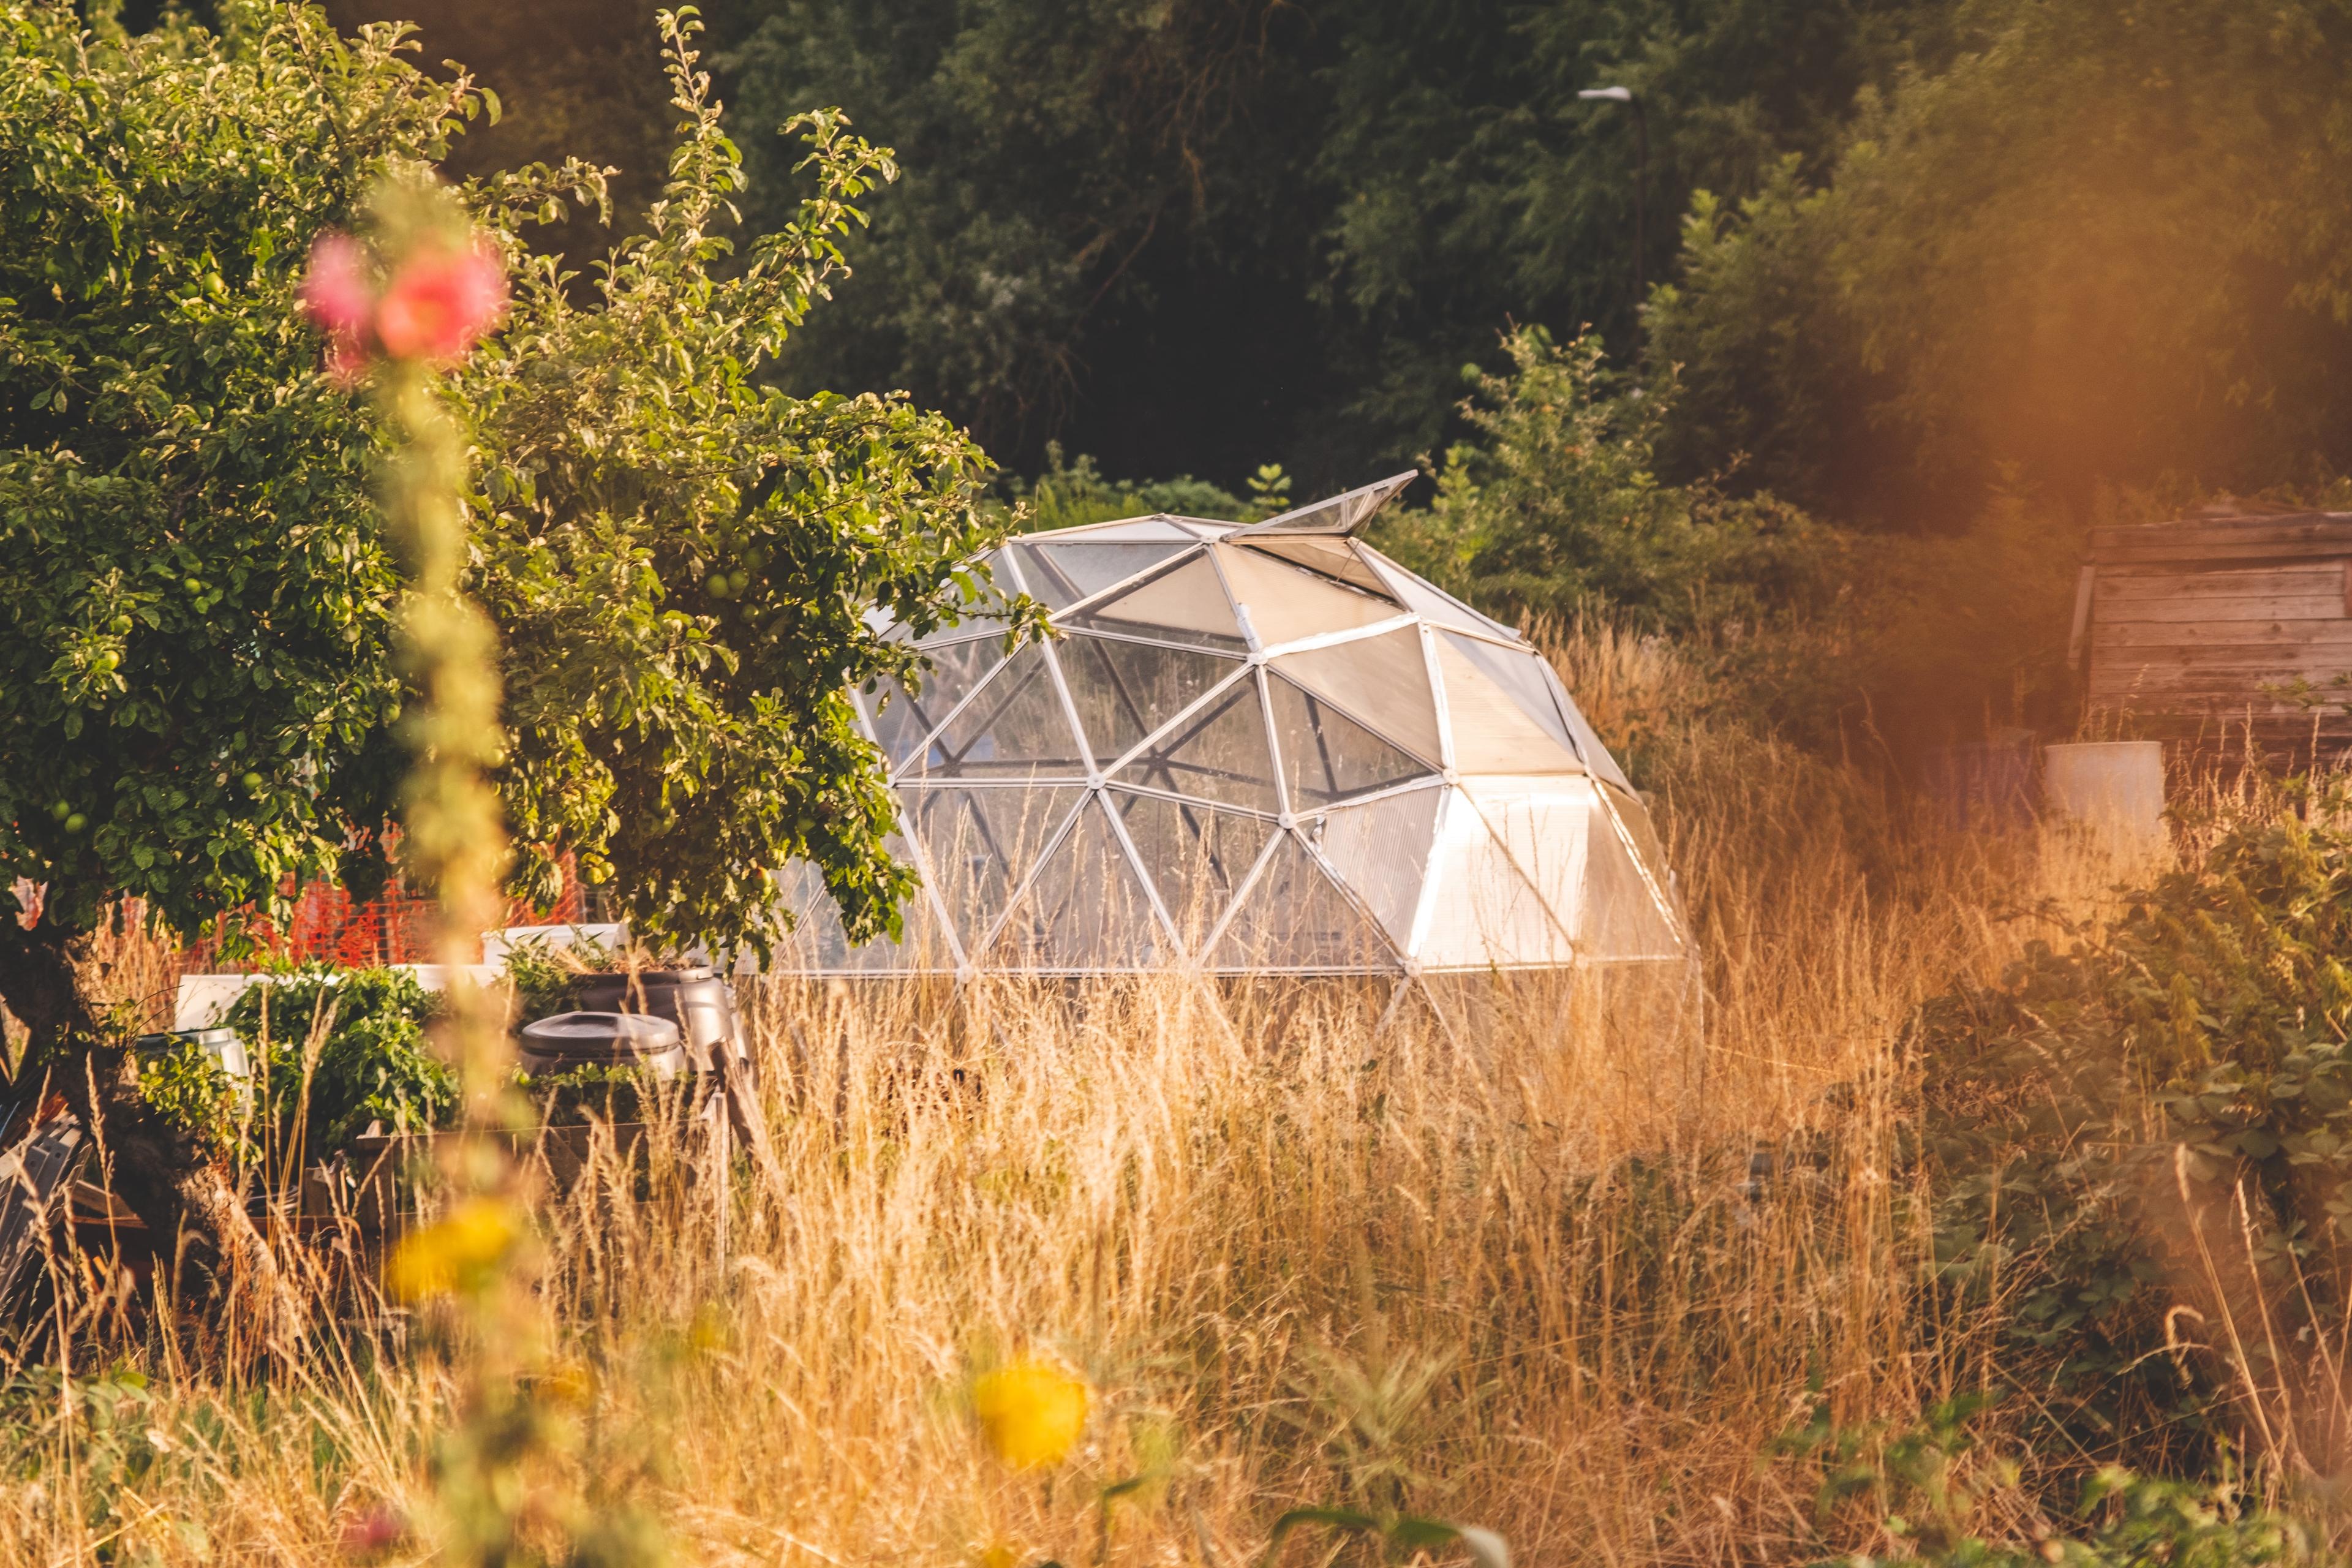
{"x": 694, "y": 998}
{"x": 569, "y": 1041}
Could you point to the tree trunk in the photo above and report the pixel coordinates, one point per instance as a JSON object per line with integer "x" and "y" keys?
{"x": 163, "y": 1173}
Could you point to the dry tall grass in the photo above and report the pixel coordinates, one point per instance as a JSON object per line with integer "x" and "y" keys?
{"x": 1299, "y": 1262}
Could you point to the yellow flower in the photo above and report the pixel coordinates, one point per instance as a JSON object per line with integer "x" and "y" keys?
{"x": 458, "y": 1253}
{"x": 1031, "y": 1413}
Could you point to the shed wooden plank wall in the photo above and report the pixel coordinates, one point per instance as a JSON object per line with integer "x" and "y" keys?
{"x": 2189, "y": 621}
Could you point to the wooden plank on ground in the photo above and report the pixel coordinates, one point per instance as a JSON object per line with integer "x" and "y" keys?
{"x": 2232, "y": 550}
{"x": 2189, "y": 610}
{"x": 2128, "y": 584}
{"x": 2316, "y": 635}
{"x": 2300, "y": 529}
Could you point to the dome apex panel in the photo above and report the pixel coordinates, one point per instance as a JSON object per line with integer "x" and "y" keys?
{"x": 1285, "y": 604}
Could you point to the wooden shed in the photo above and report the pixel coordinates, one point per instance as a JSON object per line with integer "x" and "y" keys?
{"x": 2192, "y": 627}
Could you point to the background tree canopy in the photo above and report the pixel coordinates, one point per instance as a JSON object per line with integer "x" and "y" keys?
{"x": 1900, "y": 249}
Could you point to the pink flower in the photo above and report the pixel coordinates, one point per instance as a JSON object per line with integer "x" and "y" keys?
{"x": 380, "y": 1527}
{"x": 439, "y": 304}
{"x": 335, "y": 291}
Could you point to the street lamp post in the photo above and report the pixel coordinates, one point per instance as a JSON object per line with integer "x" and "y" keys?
{"x": 1624, "y": 95}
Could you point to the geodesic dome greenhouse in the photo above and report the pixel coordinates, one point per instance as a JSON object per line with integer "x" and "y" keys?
{"x": 1250, "y": 749}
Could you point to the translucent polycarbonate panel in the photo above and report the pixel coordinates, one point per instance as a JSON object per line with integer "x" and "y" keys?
{"x": 1285, "y": 604}
{"x": 1426, "y": 599}
{"x": 1483, "y": 911}
{"x": 1196, "y": 857}
{"x": 1588, "y": 744}
{"x": 817, "y": 943}
{"x": 981, "y": 843}
{"x": 1492, "y": 734}
{"x": 1014, "y": 728}
{"x": 1294, "y": 917}
{"x": 1381, "y": 850}
{"x": 1185, "y": 604}
{"x": 1633, "y": 822}
{"x": 1341, "y": 514}
{"x": 1125, "y": 690}
{"x": 1087, "y": 909}
{"x": 1060, "y": 576}
{"x": 1130, "y": 531}
{"x": 1382, "y": 680}
{"x": 1621, "y": 916}
{"x": 1331, "y": 557}
{"x": 1327, "y": 756}
{"x": 1218, "y": 752}
{"x": 903, "y": 720}
{"x": 1547, "y": 826}
{"x": 1520, "y": 673}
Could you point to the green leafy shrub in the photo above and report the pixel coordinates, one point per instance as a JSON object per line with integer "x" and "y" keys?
{"x": 184, "y": 1084}
{"x": 1926, "y": 1487}
{"x": 1074, "y": 491}
{"x": 1556, "y": 507}
{"x": 2160, "y": 1118}
{"x": 373, "y": 1063}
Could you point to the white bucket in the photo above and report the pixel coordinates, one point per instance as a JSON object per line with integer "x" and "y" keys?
{"x": 2114, "y": 787}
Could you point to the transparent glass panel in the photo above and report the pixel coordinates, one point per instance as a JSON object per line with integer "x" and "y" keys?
{"x": 1086, "y": 911}
{"x": 1492, "y": 734}
{"x": 1015, "y": 728}
{"x": 1327, "y": 756}
{"x": 1342, "y": 513}
{"x": 1381, "y": 850}
{"x": 816, "y": 944}
{"x": 1294, "y": 917}
{"x": 1195, "y": 855}
{"x": 1285, "y": 604}
{"x": 1382, "y": 680}
{"x": 1423, "y": 597}
{"x": 903, "y": 720}
{"x": 1185, "y": 604}
{"x": 1123, "y": 690}
{"x": 1621, "y": 917}
{"x": 1061, "y": 574}
{"x": 1520, "y": 673}
{"x": 1331, "y": 557}
{"x": 1217, "y": 753}
{"x": 980, "y": 843}
{"x": 1484, "y": 912}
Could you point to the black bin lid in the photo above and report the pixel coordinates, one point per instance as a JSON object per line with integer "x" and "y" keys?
{"x": 599, "y": 1035}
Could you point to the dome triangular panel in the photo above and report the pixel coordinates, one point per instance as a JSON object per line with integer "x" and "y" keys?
{"x": 1126, "y": 690}
{"x": 1086, "y": 910}
{"x": 1015, "y": 727}
{"x": 1216, "y": 753}
{"x": 1294, "y": 917}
